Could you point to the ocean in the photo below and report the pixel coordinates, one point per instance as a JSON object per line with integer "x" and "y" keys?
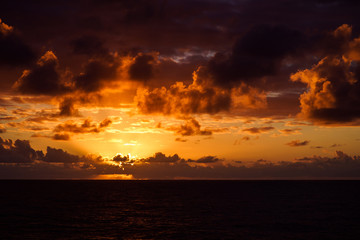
{"x": 186, "y": 209}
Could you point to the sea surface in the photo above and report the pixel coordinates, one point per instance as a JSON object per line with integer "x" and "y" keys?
{"x": 95, "y": 209}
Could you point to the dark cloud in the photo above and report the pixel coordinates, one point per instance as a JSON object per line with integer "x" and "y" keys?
{"x": 86, "y": 127}
{"x": 335, "y": 145}
{"x": 162, "y": 158}
{"x": 120, "y": 158}
{"x": 59, "y": 156}
{"x": 19, "y": 151}
{"x": 180, "y": 140}
{"x": 297, "y": 143}
{"x": 142, "y": 67}
{"x": 333, "y": 85}
{"x": 57, "y": 163}
{"x": 258, "y": 130}
{"x": 61, "y": 136}
{"x": 243, "y": 139}
{"x": 97, "y": 72}
{"x": 318, "y": 147}
{"x": 190, "y": 128}
{"x": 199, "y": 97}
{"x": 13, "y": 50}
{"x": 207, "y": 159}
{"x": 67, "y": 108}
{"x": 8, "y": 118}
{"x": 43, "y": 78}
{"x": 258, "y": 53}
{"x": 88, "y": 45}
{"x": 288, "y": 131}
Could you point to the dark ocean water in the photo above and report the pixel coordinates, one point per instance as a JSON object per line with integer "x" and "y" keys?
{"x": 180, "y": 210}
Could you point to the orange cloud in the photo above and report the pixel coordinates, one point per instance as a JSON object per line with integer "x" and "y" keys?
{"x": 202, "y": 96}
{"x": 5, "y": 29}
{"x": 297, "y": 143}
{"x": 190, "y": 128}
{"x": 258, "y": 130}
{"x": 333, "y": 85}
{"x": 86, "y": 127}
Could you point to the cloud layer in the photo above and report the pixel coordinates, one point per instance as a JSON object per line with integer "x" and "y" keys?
{"x": 19, "y": 160}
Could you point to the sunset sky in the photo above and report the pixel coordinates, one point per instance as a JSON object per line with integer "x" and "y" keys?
{"x": 180, "y": 89}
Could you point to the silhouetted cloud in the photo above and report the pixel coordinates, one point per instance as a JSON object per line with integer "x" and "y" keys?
{"x": 88, "y": 45}
{"x": 190, "y": 128}
{"x": 43, "y": 78}
{"x": 162, "y": 158}
{"x": 20, "y": 160}
{"x": 258, "y": 53}
{"x": 333, "y": 84}
{"x": 13, "y": 50}
{"x": 86, "y": 127}
{"x": 59, "y": 156}
{"x": 199, "y": 97}
{"x": 258, "y": 130}
{"x": 19, "y": 151}
{"x": 142, "y": 67}
{"x": 61, "y": 136}
{"x": 297, "y": 143}
{"x": 207, "y": 159}
{"x": 180, "y": 140}
{"x": 67, "y": 108}
{"x": 97, "y": 72}
{"x": 289, "y": 131}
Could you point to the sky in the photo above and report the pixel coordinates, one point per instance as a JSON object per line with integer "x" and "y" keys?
{"x": 215, "y": 89}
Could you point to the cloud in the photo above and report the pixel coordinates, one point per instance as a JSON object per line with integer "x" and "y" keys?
{"x": 19, "y": 160}
{"x": 86, "y": 127}
{"x": 142, "y": 67}
{"x": 2, "y": 130}
{"x": 297, "y": 143}
{"x": 207, "y": 159}
{"x": 257, "y": 54}
{"x": 67, "y": 108}
{"x": 199, "y": 97}
{"x": 97, "y": 73}
{"x": 180, "y": 140}
{"x": 162, "y": 158}
{"x": 7, "y": 118}
{"x": 258, "y": 130}
{"x": 43, "y": 78}
{"x": 335, "y": 145}
{"x": 289, "y": 131}
{"x": 88, "y": 45}
{"x": 61, "y": 136}
{"x": 13, "y": 51}
{"x": 333, "y": 86}
{"x": 19, "y": 151}
{"x": 190, "y": 128}
{"x": 59, "y": 156}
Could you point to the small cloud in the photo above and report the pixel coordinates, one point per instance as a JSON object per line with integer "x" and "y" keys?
{"x": 297, "y": 143}
{"x": 180, "y": 140}
{"x": 67, "y": 108}
{"x": 289, "y": 131}
{"x": 318, "y": 147}
{"x": 190, "y": 128}
{"x": 258, "y": 130}
{"x": 207, "y": 159}
{"x": 243, "y": 139}
{"x": 86, "y": 127}
{"x": 335, "y": 145}
{"x": 61, "y": 136}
